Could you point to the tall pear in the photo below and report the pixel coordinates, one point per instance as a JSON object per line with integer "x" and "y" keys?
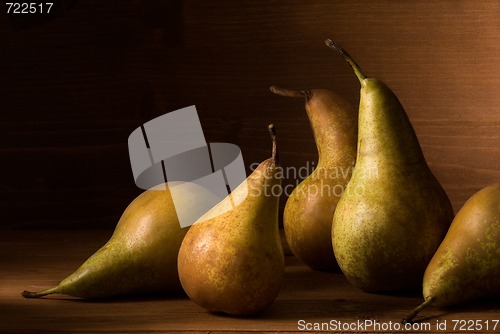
{"x": 466, "y": 265}
{"x": 394, "y": 213}
{"x": 308, "y": 214}
{"x": 141, "y": 255}
{"x": 232, "y": 261}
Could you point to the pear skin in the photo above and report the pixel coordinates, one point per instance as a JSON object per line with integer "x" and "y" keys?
{"x": 466, "y": 265}
{"x": 233, "y": 262}
{"x": 394, "y": 212}
{"x": 139, "y": 258}
{"x": 308, "y": 214}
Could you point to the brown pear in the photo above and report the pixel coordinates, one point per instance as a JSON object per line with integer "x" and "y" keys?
{"x": 308, "y": 214}
{"x": 232, "y": 260}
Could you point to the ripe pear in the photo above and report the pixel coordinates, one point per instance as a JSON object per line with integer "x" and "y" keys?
{"x": 308, "y": 214}
{"x": 141, "y": 255}
{"x": 232, "y": 261}
{"x": 394, "y": 213}
{"x": 466, "y": 265}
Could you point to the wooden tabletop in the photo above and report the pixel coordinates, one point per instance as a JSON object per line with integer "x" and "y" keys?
{"x": 35, "y": 260}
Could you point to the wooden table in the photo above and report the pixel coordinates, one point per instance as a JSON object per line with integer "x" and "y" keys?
{"x": 34, "y": 260}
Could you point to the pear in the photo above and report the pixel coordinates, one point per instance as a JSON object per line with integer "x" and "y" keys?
{"x": 466, "y": 265}
{"x": 141, "y": 255}
{"x": 232, "y": 261}
{"x": 394, "y": 213}
{"x": 308, "y": 214}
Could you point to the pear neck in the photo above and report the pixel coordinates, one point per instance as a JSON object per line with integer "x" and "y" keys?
{"x": 385, "y": 131}
{"x": 332, "y": 121}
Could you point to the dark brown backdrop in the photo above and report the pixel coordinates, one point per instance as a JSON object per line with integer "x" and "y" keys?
{"x": 73, "y": 88}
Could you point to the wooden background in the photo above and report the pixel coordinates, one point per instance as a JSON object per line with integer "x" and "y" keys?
{"x": 73, "y": 88}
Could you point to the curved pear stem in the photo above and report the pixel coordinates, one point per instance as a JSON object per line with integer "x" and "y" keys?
{"x": 287, "y": 92}
{"x": 272, "y": 132}
{"x": 29, "y": 294}
{"x": 337, "y": 48}
{"x": 409, "y": 318}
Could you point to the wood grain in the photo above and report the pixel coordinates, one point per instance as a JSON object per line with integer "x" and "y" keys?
{"x": 73, "y": 88}
{"x": 34, "y": 260}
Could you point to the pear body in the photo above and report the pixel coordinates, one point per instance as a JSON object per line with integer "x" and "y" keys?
{"x": 307, "y": 218}
{"x": 466, "y": 265}
{"x": 394, "y": 213}
{"x": 141, "y": 255}
{"x": 233, "y": 262}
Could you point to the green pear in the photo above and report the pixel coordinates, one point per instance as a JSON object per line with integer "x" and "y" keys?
{"x": 394, "y": 213}
{"x": 232, "y": 259}
{"x": 308, "y": 214}
{"x": 466, "y": 265}
{"x": 141, "y": 255}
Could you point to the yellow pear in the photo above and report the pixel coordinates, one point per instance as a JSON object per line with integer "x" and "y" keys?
{"x": 466, "y": 265}
{"x": 394, "y": 213}
{"x": 141, "y": 255}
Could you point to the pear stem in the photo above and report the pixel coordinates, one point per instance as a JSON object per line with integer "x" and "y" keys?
{"x": 29, "y": 294}
{"x": 272, "y": 132}
{"x": 287, "y": 92}
{"x": 337, "y": 48}
{"x": 409, "y": 318}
